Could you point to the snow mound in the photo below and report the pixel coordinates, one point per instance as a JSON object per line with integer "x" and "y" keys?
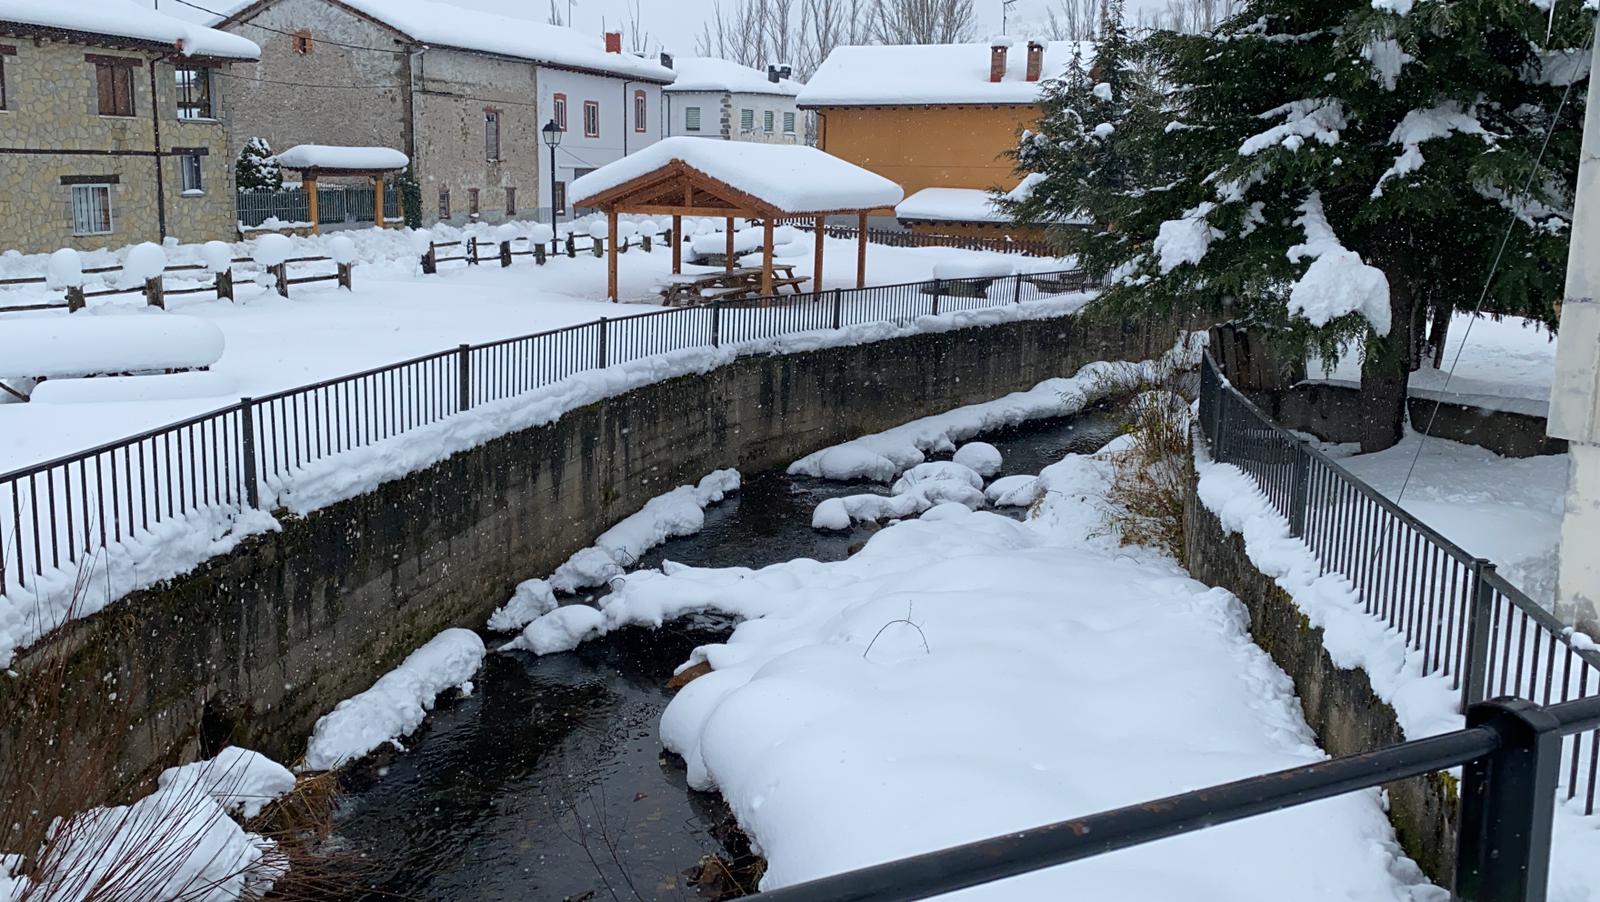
{"x": 65, "y": 270}
{"x": 144, "y": 262}
{"x": 974, "y": 269}
{"x": 90, "y": 345}
{"x": 397, "y": 703}
{"x": 218, "y": 256}
{"x": 533, "y": 599}
{"x": 937, "y": 471}
{"x": 342, "y": 250}
{"x": 241, "y": 781}
{"x": 563, "y": 629}
{"x": 981, "y": 457}
{"x": 270, "y": 250}
{"x": 1013, "y": 491}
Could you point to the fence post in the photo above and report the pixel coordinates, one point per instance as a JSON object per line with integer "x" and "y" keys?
{"x": 1480, "y": 626}
{"x": 1299, "y": 499}
{"x": 464, "y": 377}
{"x": 598, "y": 247}
{"x": 346, "y": 276}
{"x": 1016, "y": 290}
{"x": 716, "y": 324}
{"x": 280, "y": 275}
{"x": 75, "y": 299}
{"x": 604, "y": 334}
{"x": 472, "y": 251}
{"x": 538, "y": 254}
{"x": 838, "y": 307}
{"x": 505, "y": 254}
{"x": 1508, "y": 805}
{"x": 572, "y": 247}
{"x": 247, "y": 454}
{"x": 1219, "y": 445}
{"x": 155, "y": 294}
{"x": 938, "y": 288}
{"x": 644, "y": 244}
{"x": 225, "y": 285}
{"x": 430, "y": 260}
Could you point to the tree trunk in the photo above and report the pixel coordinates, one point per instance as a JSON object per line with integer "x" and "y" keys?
{"x": 1386, "y": 372}
{"x": 1440, "y": 333}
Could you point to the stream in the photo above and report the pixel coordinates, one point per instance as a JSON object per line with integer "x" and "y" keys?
{"x": 549, "y": 781}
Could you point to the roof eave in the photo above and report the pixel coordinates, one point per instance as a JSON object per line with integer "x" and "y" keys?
{"x": 119, "y": 42}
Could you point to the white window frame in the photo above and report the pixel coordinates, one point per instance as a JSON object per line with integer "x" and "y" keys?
{"x": 747, "y": 120}
{"x": 769, "y": 121}
{"x": 591, "y": 106}
{"x": 789, "y": 123}
{"x": 186, "y": 160}
{"x": 81, "y": 215}
{"x": 691, "y": 118}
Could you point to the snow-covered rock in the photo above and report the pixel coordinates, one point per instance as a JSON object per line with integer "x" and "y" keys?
{"x": 981, "y": 457}
{"x": 532, "y": 599}
{"x": 241, "y": 781}
{"x": 1013, "y": 491}
{"x": 563, "y": 629}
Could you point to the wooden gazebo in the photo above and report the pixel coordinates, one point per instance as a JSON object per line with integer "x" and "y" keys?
{"x": 730, "y": 180}
{"x": 313, "y": 161}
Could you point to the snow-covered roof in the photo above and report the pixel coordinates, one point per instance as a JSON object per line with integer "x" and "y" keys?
{"x": 924, "y": 74}
{"x": 791, "y": 177}
{"x": 950, "y": 205}
{"x": 705, "y": 73}
{"x": 354, "y": 159}
{"x": 127, "y": 20}
{"x": 447, "y": 25}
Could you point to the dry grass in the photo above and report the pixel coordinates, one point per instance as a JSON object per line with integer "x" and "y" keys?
{"x": 1150, "y": 476}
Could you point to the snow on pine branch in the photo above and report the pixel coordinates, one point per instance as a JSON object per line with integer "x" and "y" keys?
{"x": 1320, "y": 119}
{"x": 1186, "y": 240}
{"x": 1421, "y": 126}
{"x": 1388, "y": 59}
{"x": 1338, "y": 282}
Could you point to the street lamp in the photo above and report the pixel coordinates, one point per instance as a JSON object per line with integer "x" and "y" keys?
{"x": 552, "y": 139}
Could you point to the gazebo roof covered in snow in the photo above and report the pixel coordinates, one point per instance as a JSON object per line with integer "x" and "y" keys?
{"x": 696, "y": 177}
{"x": 321, "y": 159}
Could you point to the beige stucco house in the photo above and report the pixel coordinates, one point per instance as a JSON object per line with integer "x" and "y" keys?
{"x": 110, "y": 126}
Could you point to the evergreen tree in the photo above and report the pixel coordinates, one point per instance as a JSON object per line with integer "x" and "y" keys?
{"x": 405, "y": 182}
{"x": 1331, "y": 168}
{"x": 257, "y": 169}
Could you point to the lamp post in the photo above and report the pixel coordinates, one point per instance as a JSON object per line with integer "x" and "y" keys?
{"x": 552, "y": 139}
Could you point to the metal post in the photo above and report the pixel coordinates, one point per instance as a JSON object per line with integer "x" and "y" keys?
{"x": 938, "y": 287}
{"x": 838, "y": 307}
{"x": 1508, "y": 805}
{"x": 1299, "y": 498}
{"x": 247, "y": 437}
{"x": 1219, "y": 444}
{"x": 604, "y": 332}
{"x": 1016, "y": 293}
{"x": 716, "y": 324}
{"x": 1480, "y": 625}
{"x": 464, "y": 376}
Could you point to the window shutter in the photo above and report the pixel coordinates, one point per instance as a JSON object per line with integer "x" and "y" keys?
{"x": 105, "y": 86}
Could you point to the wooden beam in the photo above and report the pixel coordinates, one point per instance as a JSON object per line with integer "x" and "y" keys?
{"x": 729, "y": 232}
{"x": 377, "y": 201}
{"x": 816, "y": 263}
{"x": 311, "y": 196}
{"x": 611, "y": 252}
{"x": 861, "y": 250}
{"x": 677, "y": 245}
{"x": 766, "y": 257}
{"x": 675, "y": 210}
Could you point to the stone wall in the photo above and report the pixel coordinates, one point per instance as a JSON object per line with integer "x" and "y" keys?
{"x": 455, "y": 92}
{"x": 51, "y": 105}
{"x": 1340, "y": 705}
{"x": 255, "y": 645}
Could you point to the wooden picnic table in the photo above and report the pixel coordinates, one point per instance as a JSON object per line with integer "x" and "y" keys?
{"x": 725, "y": 285}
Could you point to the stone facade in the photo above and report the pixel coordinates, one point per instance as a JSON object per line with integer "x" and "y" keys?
{"x": 54, "y": 138}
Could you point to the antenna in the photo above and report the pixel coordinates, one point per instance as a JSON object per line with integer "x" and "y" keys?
{"x": 1005, "y": 8}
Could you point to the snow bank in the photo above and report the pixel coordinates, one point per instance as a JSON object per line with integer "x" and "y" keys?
{"x": 562, "y": 629}
{"x": 1013, "y": 491}
{"x": 241, "y": 781}
{"x": 397, "y": 703}
{"x": 84, "y": 345}
{"x": 793, "y": 177}
{"x": 974, "y": 269}
{"x": 323, "y": 156}
{"x": 532, "y": 599}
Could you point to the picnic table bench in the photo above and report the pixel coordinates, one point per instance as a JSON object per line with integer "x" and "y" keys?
{"x": 724, "y": 285}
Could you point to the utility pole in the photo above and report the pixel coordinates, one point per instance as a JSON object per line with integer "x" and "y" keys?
{"x": 1575, "y": 392}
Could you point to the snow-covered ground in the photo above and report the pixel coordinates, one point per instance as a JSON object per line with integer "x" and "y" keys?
{"x": 393, "y": 314}
{"x": 967, "y": 674}
{"x": 1506, "y": 364}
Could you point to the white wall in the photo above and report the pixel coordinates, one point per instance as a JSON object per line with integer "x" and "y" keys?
{"x": 711, "y": 106}
{"x": 619, "y": 131}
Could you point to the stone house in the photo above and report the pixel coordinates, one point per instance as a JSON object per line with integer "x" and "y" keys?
{"x": 111, "y": 130}
{"x": 715, "y": 98}
{"x": 463, "y": 93}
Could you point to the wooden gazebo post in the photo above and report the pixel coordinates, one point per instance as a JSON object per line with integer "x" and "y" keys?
{"x": 677, "y": 244}
{"x": 730, "y": 243}
{"x": 816, "y": 262}
{"x": 310, "y": 181}
{"x": 611, "y": 251}
{"x": 861, "y": 250}
{"x": 377, "y": 202}
{"x": 766, "y": 257}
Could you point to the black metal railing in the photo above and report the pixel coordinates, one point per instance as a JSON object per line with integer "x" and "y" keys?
{"x": 1509, "y": 753}
{"x": 58, "y": 516}
{"x": 1460, "y": 617}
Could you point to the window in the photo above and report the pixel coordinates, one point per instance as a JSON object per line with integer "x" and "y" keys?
{"x": 591, "y": 119}
{"x": 788, "y": 123}
{"x": 691, "y": 118}
{"x": 558, "y": 197}
{"x": 560, "y": 109}
{"x": 193, "y": 175}
{"x": 91, "y": 209}
{"x": 301, "y": 42}
{"x": 491, "y": 135}
{"x": 640, "y": 111}
{"x": 766, "y": 121}
{"x": 5, "y": 51}
{"x": 472, "y": 201}
{"x": 747, "y": 120}
{"x": 444, "y": 204}
{"x": 113, "y": 78}
{"x": 194, "y": 94}
{"x": 511, "y": 201}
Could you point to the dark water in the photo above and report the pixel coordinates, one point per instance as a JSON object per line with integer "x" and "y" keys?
{"x": 548, "y": 783}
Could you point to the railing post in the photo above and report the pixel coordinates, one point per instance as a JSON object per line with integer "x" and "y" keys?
{"x": 155, "y": 293}
{"x": 75, "y": 299}
{"x": 247, "y": 453}
{"x": 1480, "y": 626}
{"x": 716, "y": 324}
{"x": 1299, "y": 499}
{"x": 1219, "y": 441}
{"x": 346, "y": 276}
{"x": 604, "y": 337}
{"x": 472, "y": 251}
{"x": 938, "y": 288}
{"x": 430, "y": 260}
{"x": 1016, "y": 295}
{"x": 225, "y": 285}
{"x": 1508, "y": 805}
{"x": 280, "y": 275}
{"x": 505, "y": 254}
{"x": 464, "y": 377}
{"x": 838, "y": 307}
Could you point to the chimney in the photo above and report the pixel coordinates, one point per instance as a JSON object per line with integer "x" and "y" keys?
{"x": 613, "y": 42}
{"x": 1035, "y": 60}
{"x": 772, "y": 74}
{"x": 785, "y": 71}
{"x": 666, "y": 60}
{"x": 997, "y": 58}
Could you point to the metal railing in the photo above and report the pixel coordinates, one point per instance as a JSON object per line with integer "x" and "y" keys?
{"x": 900, "y": 238}
{"x": 57, "y": 516}
{"x": 1461, "y": 618}
{"x": 1508, "y": 752}
{"x": 335, "y": 204}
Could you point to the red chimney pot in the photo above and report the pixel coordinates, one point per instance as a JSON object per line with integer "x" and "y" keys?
{"x": 613, "y": 42}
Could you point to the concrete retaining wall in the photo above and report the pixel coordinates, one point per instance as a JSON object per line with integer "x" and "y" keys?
{"x": 254, "y": 646}
{"x": 1340, "y": 705}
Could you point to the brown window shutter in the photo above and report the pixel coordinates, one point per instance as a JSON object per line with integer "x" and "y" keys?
{"x": 123, "y": 79}
{"x": 104, "y": 78}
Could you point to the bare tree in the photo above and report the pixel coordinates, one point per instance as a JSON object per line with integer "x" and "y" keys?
{"x": 923, "y": 21}
{"x": 826, "y": 24}
{"x": 638, "y": 37}
{"x": 1190, "y": 15}
{"x": 1072, "y": 20}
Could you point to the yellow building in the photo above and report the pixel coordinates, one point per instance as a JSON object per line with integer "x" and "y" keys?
{"x": 939, "y": 119}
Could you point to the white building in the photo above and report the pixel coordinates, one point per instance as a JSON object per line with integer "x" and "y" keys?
{"x": 713, "y": 98}
{"x": 605, "y": 117}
